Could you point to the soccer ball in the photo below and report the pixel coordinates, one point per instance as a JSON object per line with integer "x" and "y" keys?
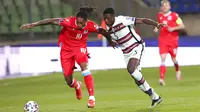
{"x": 31, "y": 106}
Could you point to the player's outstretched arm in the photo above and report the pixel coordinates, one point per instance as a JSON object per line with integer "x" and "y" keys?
{"x": 149, "y": 22}
{"x": 48, "y": 21}
{"x": 107, "y": 36}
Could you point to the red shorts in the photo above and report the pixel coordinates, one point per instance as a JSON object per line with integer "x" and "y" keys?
{"x": 168, "y": 48}
{"x": 69, "y": 57}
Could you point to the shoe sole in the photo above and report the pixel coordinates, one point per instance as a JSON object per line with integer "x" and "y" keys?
{"x": 157, "y": 103}
{"x": 90, "y": 106}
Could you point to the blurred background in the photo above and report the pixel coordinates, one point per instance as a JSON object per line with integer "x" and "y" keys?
{"x": 14, "y": 13}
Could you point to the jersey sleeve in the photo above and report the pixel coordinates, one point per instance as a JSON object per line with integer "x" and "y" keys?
{"x": 64, "y": 22}
{"x": 93, "y": 27}
{"x": 178, "y": 19}
{"x": 61, "y": 37}
{"x": 127, "y": 20}
{"x": 158, "y": 18}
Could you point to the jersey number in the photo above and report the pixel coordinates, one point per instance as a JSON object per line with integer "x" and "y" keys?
{"x": 135, "y": 52}
{"x": 83, "y": 50}
{"x": 79, "y": 36}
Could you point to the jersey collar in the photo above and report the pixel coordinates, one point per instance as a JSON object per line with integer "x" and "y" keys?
{"x": 167, "y": 14}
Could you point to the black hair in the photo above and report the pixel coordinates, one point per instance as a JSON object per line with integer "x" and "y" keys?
{"x": 84, "y": 12}
{"x": 109, "y": 11}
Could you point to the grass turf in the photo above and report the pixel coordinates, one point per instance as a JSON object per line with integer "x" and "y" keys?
{"x": 115, "y": 91}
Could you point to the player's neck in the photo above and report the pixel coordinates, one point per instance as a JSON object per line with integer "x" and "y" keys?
{"x": 166, "y": 13}
{"x": 113, "y": 23}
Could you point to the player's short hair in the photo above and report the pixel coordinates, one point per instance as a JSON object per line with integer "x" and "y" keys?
{"x": 165, "y": 1}
{"x": 109, "y": 11}
{"x": 84, "y": 12}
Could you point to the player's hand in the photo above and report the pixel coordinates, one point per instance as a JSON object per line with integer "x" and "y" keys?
{"x": 170, "y": 29}
{"x": 156, "y": 30}
{"x": 160, "y": 25}
{"x": 26, "y": 26}
{"x": 113, "y": 44}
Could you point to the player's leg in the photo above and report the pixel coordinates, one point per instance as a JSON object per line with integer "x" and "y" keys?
{"x": 68, "y": 65}
{"x": 162, "y": 69}
{"x": 163, "y": 50}
{"x": 82, "y": 59}
{"x": 173, "y": 53}
{"x": 136, "y": 74}
{"x": 141, "y": 82}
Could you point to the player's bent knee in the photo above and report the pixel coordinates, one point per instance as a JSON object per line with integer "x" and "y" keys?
{"x": 131, "y": 69}
{"x": 86, "y": 72}
{"x": 69, "y": 83}
{"x": 137, "y": 76}
{"x": 83, "y": 66}
{"x": 68, "y": 80}
{"x": 174, "y": 60}
{"x": 163, "y": 57}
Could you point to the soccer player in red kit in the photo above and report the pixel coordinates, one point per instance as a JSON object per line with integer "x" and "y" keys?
{"x": 168, "y": 38}
{"x": 73, "y": 42}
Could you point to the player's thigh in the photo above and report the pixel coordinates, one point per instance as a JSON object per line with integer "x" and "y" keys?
{"x": 163, "y": 49}
{"x": 67, "y": 62}
{"x": 173, "y": 51}
{"x": 81, "y": 56}
{"x": 134, "y": 58}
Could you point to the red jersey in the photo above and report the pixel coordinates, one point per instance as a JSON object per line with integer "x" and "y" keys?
{"x": 170, "y": 20}
{"x": 70, "y": 36}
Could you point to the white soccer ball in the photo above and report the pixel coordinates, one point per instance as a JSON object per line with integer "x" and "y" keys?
{"x": 31, "y": 106}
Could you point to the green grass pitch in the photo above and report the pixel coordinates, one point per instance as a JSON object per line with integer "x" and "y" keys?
{"x": 115, "y": 91}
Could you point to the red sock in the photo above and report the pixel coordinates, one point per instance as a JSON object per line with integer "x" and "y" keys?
{"x": 89, "y": 82}
{"x": 162, "y": 71}
{"x": 74, "y": 84}
{"x": 176, "y": 65}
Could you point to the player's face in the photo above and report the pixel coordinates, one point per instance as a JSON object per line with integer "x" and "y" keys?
{"x": 80, "y": 22}
{"x": 109, "y": 19}
{"x": 165, "y": 7}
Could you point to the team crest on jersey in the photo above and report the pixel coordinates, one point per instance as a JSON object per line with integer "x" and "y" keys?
{"x": 169, "y": 18}
{"x": 85, "y": 32}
